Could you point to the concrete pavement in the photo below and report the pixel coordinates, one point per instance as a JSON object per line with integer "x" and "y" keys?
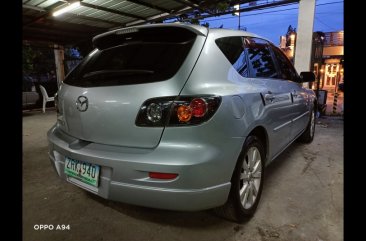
{"x": 302, "y": 198}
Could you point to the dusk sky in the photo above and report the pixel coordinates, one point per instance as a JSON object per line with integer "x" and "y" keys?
{"x": 271, "y": 23}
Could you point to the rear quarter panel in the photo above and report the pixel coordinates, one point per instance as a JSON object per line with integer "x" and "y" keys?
{"x": 241, "y": 109}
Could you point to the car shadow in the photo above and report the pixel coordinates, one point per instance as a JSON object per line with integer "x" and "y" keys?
{"x": 33, "y": 112}
{"x": 278, "y": 163}
{"x": 195, "y": 220}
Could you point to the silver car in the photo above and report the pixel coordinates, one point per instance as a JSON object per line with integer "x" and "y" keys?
{"x": 179, "y": 117}
{"x": 30, "y": 95}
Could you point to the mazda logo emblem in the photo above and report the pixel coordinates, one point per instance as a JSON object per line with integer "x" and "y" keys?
{"x": 82, "y": 103}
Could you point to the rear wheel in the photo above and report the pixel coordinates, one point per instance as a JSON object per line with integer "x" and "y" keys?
{"x": 246, "y": 183}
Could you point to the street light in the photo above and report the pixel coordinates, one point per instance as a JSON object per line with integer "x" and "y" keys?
{"x": 68, "y": 8}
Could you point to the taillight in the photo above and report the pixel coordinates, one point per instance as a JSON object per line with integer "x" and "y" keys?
{"x": 198, "y": 107}
{"x": 60, "y": 120}
{"x": 184, "y": 113}
{"x": 154, "y": 112}
{"x": 56, "y": 104}
{"x": 177, "y": 111}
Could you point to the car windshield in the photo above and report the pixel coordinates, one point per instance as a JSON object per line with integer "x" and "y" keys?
{"x": 134, "y": 59}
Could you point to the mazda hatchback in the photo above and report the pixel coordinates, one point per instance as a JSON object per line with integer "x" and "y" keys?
{"x": 179, "y": 117}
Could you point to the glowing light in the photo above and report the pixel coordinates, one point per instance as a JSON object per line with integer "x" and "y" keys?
{"x": 66, "y": 9}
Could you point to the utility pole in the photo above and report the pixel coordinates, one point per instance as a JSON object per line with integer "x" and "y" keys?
{"x": 237, "y": 7}
{"x": 239, "y": 22}
{"x": 304, "y": 39}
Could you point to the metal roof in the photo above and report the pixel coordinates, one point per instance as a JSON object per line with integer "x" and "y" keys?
{"x": 93, "y": 17}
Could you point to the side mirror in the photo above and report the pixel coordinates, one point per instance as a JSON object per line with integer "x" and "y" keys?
{"x": 307, "y": 77}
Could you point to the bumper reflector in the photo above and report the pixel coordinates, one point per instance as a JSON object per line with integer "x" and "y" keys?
{"x": 159, "y": 175}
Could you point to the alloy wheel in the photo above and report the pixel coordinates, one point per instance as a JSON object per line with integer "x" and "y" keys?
{"x": 250, "y": 177}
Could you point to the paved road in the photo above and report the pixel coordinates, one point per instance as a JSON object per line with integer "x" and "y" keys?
{"x": 302, "y": 198}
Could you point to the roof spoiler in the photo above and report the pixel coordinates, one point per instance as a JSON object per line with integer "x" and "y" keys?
{"x": 104, "y": 40}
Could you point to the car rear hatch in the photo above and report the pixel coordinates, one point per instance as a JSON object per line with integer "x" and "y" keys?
{"x": 101, "y": 98}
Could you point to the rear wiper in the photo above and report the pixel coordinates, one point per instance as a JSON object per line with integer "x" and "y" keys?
{"x": 118, "y": 72}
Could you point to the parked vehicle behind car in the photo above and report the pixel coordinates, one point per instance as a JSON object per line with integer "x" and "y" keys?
{"x": 30, "y": 95}
{"x": 179, "y": 117}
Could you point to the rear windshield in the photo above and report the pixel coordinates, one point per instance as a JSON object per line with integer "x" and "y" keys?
{"x": 148, "y": 55}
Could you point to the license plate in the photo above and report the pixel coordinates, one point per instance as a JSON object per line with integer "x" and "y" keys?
{"x": 83, "y": 171}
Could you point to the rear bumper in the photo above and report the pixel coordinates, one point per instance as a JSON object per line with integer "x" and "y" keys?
{"x": 204, "y": 171}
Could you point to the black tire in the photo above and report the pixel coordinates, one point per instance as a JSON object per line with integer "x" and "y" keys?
{"x": 233, "y": 209}
{"x": 308, "y": 135}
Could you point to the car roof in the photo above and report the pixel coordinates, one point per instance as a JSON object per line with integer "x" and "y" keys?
{"x": 200, "y": 30}
{"x": 222, "y": 32}
{"x": 230, "y": 32}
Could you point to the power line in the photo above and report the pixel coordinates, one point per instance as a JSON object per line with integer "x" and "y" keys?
{"x": 330, "y": 13}
{"x": 325, "y": 24}
{"x": 323, "y": 13}
{"x": 321, "y": 4}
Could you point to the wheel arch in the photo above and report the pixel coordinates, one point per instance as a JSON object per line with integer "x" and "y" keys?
{"x": 261, "y": 133}
{"x": 232, "y": 210}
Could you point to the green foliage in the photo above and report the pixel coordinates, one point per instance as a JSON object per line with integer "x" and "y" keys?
{"x": 222, "y": 7}
{"x": 38, "y": 59}
{"x": 194, "y": 21}
{"x": 28, "y": 55}
{"x": 212, "y": 6}
{"x": 216, "y": 6}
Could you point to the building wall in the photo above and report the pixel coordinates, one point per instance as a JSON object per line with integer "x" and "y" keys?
{"x": 333, "y": 50}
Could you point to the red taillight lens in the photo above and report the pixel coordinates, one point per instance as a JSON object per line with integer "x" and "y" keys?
{"x": 159, "y": 175}
{"x": 199, "y": 107}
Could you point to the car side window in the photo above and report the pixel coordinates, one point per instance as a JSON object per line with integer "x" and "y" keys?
{"x": 288, "y": 72}
{"x": 233, "y": 49}
{"x": 260, "y": 58}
